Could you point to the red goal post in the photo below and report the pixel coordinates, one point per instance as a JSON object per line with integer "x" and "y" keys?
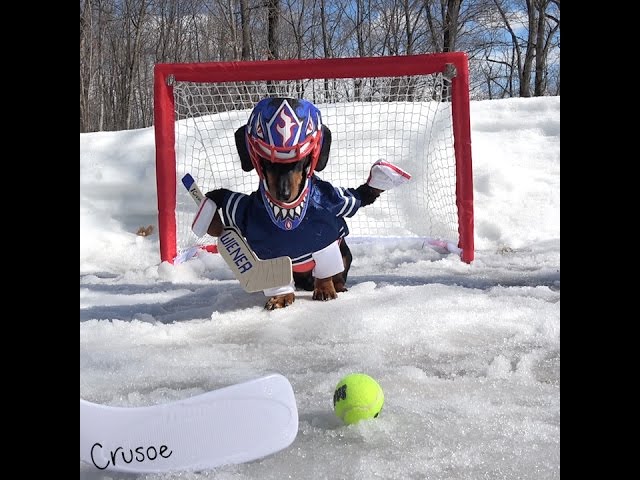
{"x": 372, "y": 85}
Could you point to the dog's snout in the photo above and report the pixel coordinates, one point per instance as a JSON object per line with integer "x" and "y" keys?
{"x": 284, "y": 180}
{"x": 283, "y": 190}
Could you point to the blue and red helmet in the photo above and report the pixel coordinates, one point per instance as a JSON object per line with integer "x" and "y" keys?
{"x": 284, "y": 130}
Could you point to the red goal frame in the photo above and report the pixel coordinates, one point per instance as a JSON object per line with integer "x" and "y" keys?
{"x": 423, "y": 64}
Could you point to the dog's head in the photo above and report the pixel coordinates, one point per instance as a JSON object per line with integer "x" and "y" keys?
{"x": 285, "y": 181}
{"x": 286, "y": 142}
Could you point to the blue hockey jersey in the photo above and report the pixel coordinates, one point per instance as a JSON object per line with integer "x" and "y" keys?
{"x": 322, "y": 224}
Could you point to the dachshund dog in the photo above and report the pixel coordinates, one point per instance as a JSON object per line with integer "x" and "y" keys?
{"x": 284, "y": 182}
{"x": 294, "y": 212}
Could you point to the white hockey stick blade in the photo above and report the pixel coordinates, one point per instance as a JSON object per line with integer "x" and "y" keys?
{"x": 253, "y": 273}
{"x": 231, "y": 425}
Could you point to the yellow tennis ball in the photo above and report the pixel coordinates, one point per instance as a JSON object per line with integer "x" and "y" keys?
{"x": 357, "y": 397}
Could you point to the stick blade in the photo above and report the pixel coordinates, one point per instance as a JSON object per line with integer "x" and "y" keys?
{"x": 272, "y": 273}
{"x": 231, "y": 425}
{"x": 253, "y": 274}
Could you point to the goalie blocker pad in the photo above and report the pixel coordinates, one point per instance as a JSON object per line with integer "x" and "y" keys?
{"x": 204, "y": 217}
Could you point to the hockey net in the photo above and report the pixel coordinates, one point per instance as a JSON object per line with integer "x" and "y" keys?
{"x": 412, "y": 111}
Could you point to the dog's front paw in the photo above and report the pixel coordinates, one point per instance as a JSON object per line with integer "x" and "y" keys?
{"x": 280, "y": 301}
{"x": 324, "y": 289}
{"x": 339, "y": 283}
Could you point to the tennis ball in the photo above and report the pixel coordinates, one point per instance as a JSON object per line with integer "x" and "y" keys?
{"x": 357, "y": 397}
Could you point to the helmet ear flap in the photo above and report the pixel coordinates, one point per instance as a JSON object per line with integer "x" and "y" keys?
{"x": 243, "y": 150}
{"x": 323, "y": 158}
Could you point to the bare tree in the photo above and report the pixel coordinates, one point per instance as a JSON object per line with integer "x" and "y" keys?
{"x": 450, "y": 24}
{"x": 327, "y": 49}
{"x": 531, "y": 51}
{"x": 273, "y": 47}
{"x": 443, "y": 23}
{"x": 166, "y": 19}
{"x": 523, "y": 51}
{"x": 513, "y": 45}
{"x": 85, "y": 64}
{"x": 548, "y": 25}
{"x": 244, "y": 16}
{"x": 326, "y": 43}
{"x": 273, "y": 44}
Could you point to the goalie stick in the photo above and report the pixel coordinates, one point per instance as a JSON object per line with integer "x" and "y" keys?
{"x": 253, "y": 273}
{"x": 234, "y": 424}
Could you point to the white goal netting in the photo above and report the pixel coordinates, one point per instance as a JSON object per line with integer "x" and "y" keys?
{"x": 405, "y": 120}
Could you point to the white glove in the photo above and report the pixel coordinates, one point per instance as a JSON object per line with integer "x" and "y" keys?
{"x": 205, "y": 215}
{"x": 385, "y": 175}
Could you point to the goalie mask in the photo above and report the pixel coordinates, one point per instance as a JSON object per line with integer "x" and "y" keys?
{"x": 284, "y": 131}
